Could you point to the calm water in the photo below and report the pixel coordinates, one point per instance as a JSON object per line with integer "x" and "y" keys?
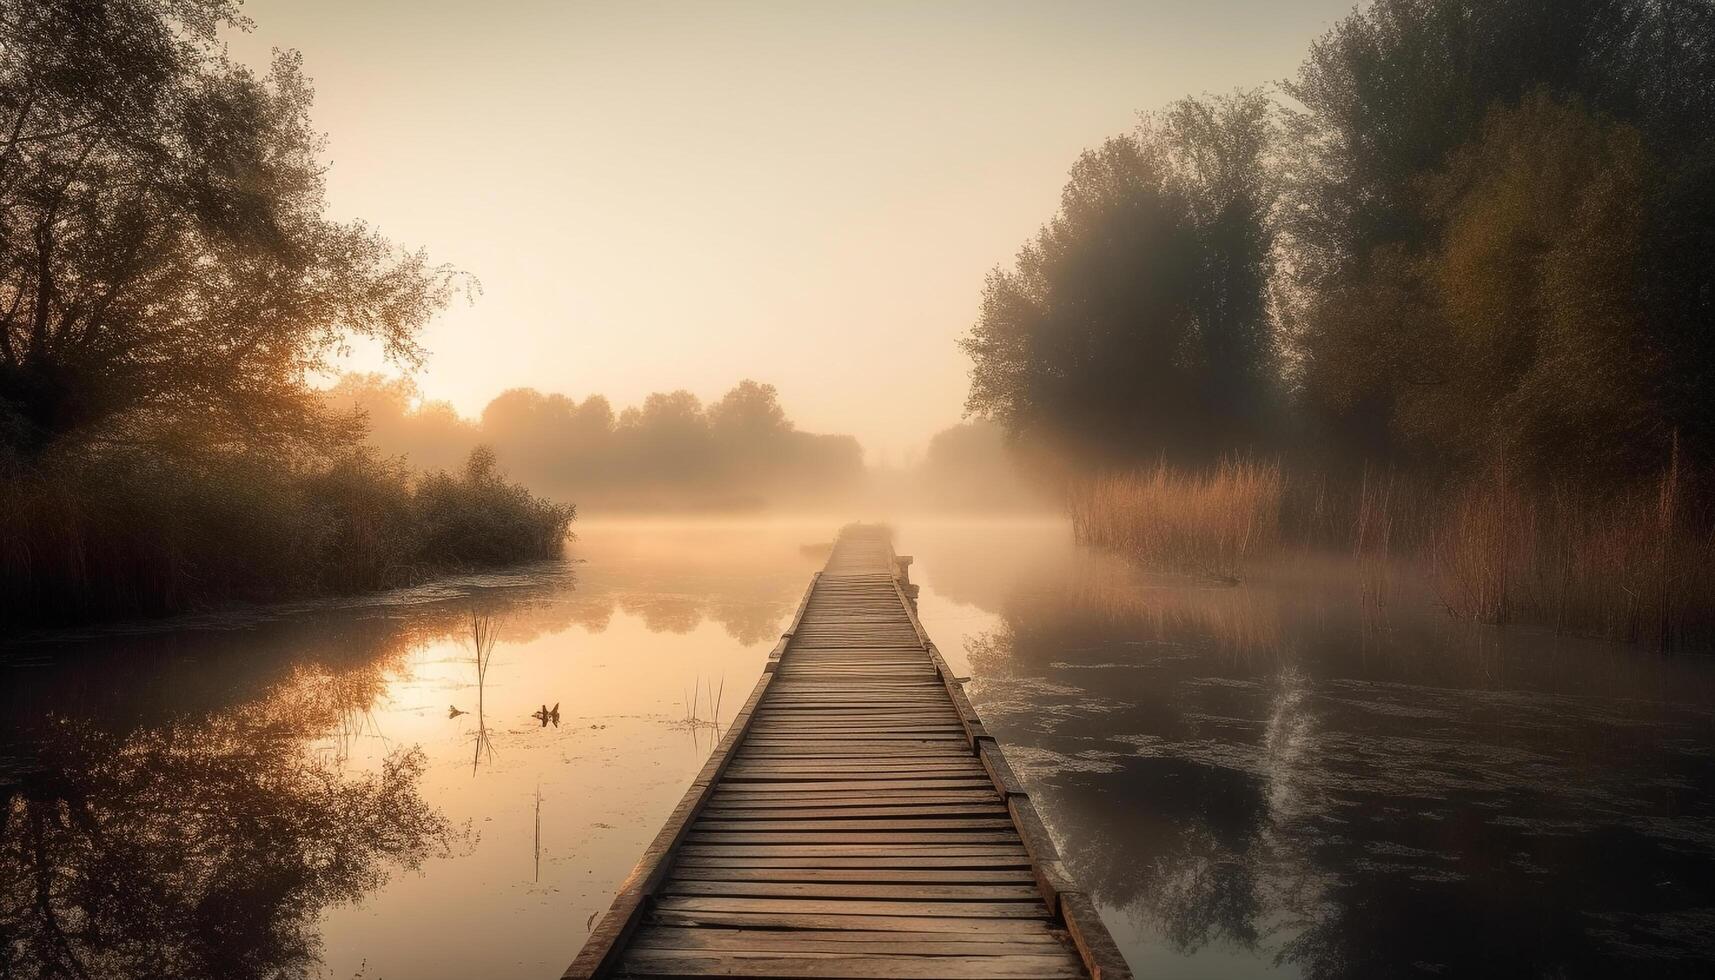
{"x": 1276, "y": 779}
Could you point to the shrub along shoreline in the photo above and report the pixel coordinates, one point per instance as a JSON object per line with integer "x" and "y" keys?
{"x": 118, "y": 534}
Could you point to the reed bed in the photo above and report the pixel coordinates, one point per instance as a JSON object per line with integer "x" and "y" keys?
{"x": 1210, "y": 523}
{"x": 1634, "y": 563}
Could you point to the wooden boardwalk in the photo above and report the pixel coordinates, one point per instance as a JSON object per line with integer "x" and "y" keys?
{"x": 855, "y": 821}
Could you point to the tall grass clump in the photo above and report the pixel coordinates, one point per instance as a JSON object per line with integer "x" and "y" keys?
{"x": 1635, "y": 564}
{"x": 1482, "y": 544}
{"x": 127, "y": 533}
{"x": 1633, "y": 561}
{"x": 1210, "y": 523}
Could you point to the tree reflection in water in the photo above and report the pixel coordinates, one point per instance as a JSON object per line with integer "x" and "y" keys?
{"x": 193, "y": 799}
{"x": 195, "y": 850}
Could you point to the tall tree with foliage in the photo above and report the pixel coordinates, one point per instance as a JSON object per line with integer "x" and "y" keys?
{"x": 1540, "y": 351}
{"x": 164, "y": 250}
{"x": 1398, "y": 116}
{"x": 1137, "y": 322}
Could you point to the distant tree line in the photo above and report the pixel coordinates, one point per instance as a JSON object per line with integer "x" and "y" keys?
{"x": 670, "y": 452}
{"x": 1467, "y": 230}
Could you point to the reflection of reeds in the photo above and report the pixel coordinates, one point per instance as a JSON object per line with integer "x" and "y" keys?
{"x": 482, "y": 634}
{"x": 1242, "y": 620}
{"x": 141, "y": 853}
{"x": 702, "y": 692}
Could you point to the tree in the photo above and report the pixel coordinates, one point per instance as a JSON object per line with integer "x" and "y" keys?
{"x": 1393, "y": 100}
{"x": 1516, "y": 331}
{"x": 431, "y": 434}
{"x": 164, "y": 251}
{"x": 1137, "y": 321}
{"x": 1543, "y": 353}
{"x": 668, "y": 437}
{"x": 749, "y": 414}
{"x": 1220, "y": 150}
{"x": 1393, "y": 88}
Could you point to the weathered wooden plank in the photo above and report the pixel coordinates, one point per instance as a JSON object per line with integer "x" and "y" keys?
{"x": 733, "y": 800}
{"x": 891, "y": 847}
{"x": 818, "y": 920}
{"x": 852, "y": 765}
{"x": 853, "y": 837}
{"x": 865, "y": 942}
{"x": 678, "y": 963}
{"x": 1095, "y": 945}
{"x": 854, "y": 812}
{"x": 781, "y": 858}
{"x": 837, "y": 825}
{"x": 927, "y": 784}
{"x": 954, "y": 875}
{"x": 857, "y": 907}
{"x": 965, "y": 891}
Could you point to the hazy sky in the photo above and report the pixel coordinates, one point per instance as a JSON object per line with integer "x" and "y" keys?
{"x": 684, "y": 195}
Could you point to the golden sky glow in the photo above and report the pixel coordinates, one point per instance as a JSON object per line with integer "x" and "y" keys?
{"x": 661, "y": 196}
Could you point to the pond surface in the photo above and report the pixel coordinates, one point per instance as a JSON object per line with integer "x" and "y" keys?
{"x": 1289, "y": 778}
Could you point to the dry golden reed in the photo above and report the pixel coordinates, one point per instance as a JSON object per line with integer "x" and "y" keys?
{"x": 1208, "y": 523}
{"x": 1635, "y": 564}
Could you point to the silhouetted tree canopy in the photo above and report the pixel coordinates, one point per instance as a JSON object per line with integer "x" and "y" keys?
{"x": 1501, "y": 227}
{"x": 1136, "y": 321}
{"x": 164, "y": 250}
{"x": 1477, "y": 229}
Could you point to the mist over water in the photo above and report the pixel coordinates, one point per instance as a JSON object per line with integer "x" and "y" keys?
{"x": 1277, "y": 778}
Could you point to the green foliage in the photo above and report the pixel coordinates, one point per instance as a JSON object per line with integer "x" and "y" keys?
{"x": 1135, "y": 322}
{"x": 1483, "y": 229}
{"x": 1500, "y": 232}
{"x": 1543, "y": 355}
